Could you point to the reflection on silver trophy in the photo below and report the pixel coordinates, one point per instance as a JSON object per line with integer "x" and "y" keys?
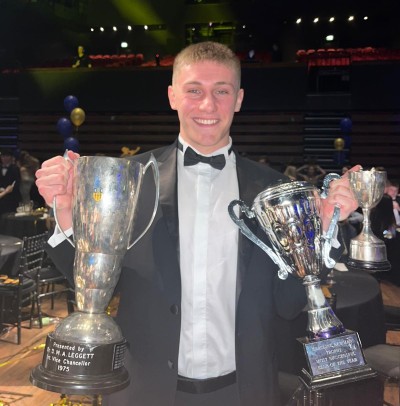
{"x": 84, "y": 355}
{"x": 367, "y": 251}
{"x": 288, "y": 213}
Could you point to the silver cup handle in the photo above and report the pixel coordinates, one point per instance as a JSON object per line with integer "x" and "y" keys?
{"x": 284, "y": 270}
{"x": 153, "y": 163}
{"x": 329, "y": 262}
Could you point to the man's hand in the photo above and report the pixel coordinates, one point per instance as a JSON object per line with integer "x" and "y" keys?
{"x": 339, "y": 194}
{"x": 54, "y": 178}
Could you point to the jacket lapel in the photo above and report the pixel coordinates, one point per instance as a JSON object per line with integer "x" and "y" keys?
{"x": 168, "y": 191}
{"x": 248, "y": 190}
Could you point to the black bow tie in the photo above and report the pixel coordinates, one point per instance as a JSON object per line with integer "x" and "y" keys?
{"x": 192, "y": 158}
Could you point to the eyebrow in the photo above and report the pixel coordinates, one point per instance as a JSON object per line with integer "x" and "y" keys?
{"x": 195, "y": 82}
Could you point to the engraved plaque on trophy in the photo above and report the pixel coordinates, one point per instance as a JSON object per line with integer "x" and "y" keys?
{"x": 367, "y": 251}
{"x": 85, "y": 353}
{"x": 288, "y": 213}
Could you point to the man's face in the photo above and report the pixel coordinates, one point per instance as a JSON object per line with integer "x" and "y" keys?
{"x": 6, "y": 159}
{"x": 392, "y": 191}
{"x": 206, "y": 95}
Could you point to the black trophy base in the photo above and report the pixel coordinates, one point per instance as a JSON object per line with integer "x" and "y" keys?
{"x": 337, "y": 378}
{"x": 80, "y": 368}
{"x": 79, "y": 385}
{"x": 334, "y": 361}
{"x": 368, "y": 266}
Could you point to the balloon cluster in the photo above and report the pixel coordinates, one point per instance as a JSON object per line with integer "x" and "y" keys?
{"x": 65, "y": 126}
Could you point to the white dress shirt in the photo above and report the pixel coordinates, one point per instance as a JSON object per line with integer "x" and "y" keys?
{"x": 208, "y": 241}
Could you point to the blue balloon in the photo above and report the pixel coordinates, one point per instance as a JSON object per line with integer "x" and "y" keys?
{"x": 64, "y": 127}
{"x": 345, "y": 125}
{"x": 70, "y": 103}
{"x": 72, "y": 144}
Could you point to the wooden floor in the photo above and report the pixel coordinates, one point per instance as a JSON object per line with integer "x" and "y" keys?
{"x": 17, "y": 361}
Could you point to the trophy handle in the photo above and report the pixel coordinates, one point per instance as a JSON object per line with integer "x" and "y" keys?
{"x": 283, "y": 271}
{"x": 329, "y": 262}
{"x": 153, "y": 163}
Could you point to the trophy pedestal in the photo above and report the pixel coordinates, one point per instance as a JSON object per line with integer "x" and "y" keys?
{"x": 334, "y": 361}
{"x": 81, "y": 368}
{"x": 368, "y": 253}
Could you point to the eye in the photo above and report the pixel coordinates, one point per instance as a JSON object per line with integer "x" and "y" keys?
{"x": 194, "y": 91}
{"x": 222, "y": 91}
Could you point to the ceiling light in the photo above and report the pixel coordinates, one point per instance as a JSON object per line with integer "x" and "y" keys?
{"x": 351, "y": 18}
{"x": 332, "y": 19}
{"x": 316, "y": 19}
{"x": 298, "y": 21}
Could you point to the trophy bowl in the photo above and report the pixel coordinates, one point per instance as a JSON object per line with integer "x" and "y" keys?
{"x": 367, "y": 251}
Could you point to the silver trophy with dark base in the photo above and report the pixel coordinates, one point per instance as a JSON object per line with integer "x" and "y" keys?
{"x": 289, "y": 214}
{"x": 367, "y": 251}
{"x": 85, "y": 353}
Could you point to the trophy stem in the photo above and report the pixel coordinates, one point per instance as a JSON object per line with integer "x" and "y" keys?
{"x": 366, "y": 230}
{"x": 322, "y": 321}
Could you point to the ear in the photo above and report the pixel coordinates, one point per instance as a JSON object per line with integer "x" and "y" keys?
{"x": 171, "y": 97}
{"x": 239, "y": 100}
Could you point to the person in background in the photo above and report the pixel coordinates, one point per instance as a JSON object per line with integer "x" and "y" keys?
{"x": 9, "y": 175}
{"x": 311, "y": 173}
{"x": 291, "y": 171}
{"x": 392, "y": 190}
{"x": 82, "y": 60}
{"x": 198, "y": 300}
{"x": 28, "y": 165}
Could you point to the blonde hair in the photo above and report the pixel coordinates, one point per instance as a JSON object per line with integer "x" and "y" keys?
{"x": 207, "y": 51}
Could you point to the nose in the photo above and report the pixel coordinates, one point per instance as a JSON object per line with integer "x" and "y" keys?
{"x": 208, "y": 103}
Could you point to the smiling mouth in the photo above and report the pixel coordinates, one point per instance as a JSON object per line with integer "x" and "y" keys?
{"x": 204, "y": 121}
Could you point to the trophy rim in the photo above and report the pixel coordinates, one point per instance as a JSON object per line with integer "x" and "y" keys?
{"x": 286, "y": 188}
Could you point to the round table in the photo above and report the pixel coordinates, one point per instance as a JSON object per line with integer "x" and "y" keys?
{"x": 10, "y": 248}
{"x": 22, "y": 225}
{"x": 359, "y": 307}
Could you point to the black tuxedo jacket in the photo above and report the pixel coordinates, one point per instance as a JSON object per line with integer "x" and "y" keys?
{"x": 9, "y": 202}
{"x": 150, "y": 295}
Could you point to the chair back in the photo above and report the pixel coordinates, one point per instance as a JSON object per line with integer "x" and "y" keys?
{"x": 33, "y": 254}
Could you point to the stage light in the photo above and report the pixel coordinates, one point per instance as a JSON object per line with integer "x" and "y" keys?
{"x": 365, "y": 18}
{"x": 146, "y": 27}
{"x": 316, "y": 19}
{"x": 329, "y": 38}
{"x": 351, "y": 18}
{"x": 115, "y": 28}
{"x": 101, "y": 29}
{"x": 332, "y": 19}
{"x": 129, "y": 28}
{"x": 124, "y": 44}
{"x": 298, "y": 21}
{"x": 92, "y": 29}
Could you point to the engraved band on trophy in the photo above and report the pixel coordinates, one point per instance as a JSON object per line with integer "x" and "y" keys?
{"x": 367, "y": 251}
{"x": 288, "y": 213}
{"x": 85, "y": 353}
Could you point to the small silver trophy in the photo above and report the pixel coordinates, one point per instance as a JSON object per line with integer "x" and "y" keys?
{"x": 85, "y": 353}
{"x": 289, "y": 215}
{"x": 367, "y": 251}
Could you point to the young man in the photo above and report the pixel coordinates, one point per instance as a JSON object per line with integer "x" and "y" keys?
{"x": 198, "y": 299}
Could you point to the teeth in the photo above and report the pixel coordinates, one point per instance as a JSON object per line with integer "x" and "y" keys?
{"x": 206, "y": 122}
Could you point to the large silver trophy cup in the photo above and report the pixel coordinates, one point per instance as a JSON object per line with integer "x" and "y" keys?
{"x": 367, "y": 251}
{"x": 289, "y": 214}
{"x": 85, "y": 353}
